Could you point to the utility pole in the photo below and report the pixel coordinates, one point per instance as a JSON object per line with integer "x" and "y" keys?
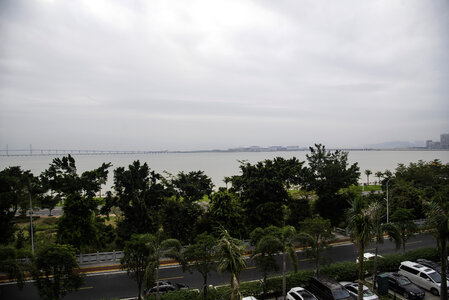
{"x": 388, "y": 219}
{"x": 31, "y": 218}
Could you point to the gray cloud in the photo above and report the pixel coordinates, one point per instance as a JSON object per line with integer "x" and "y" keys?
{"x": 210, "y": 74}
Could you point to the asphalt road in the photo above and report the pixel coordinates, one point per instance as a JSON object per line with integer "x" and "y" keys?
{"x": 119, "y": 285}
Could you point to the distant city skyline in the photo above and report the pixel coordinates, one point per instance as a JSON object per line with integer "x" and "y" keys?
{"x": 443, "y": 144}
{"x": 187, "y": 75}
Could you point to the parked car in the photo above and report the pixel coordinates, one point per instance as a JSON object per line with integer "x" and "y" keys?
{"x": 299, "y": 293}
{"x": 431, "y": 264}
{"x": 353, "y": 289}
{"x": 162, "y": 289}
{"x": 165, "y": 286}
{"x": 422, "y": 276}
{"x": 249, "y": 298}
{"x": 368, "y": 256}
{"x": 326, "y": 288}
{"x": 402, "y": 285}
{"x": 167, "y": 282}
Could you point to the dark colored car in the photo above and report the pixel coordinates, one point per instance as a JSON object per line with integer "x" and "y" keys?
{"x": 165, "y": 286}
{"x": 162, "y": 289}
{"x": 175, "y": 284}
{"x": 326, "y": 288}
{"x": 402, "y": 285}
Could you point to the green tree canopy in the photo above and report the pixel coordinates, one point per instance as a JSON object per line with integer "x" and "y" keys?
{"x": 191, "y": 186}
{"x": 316, "y": 234}
{"x": 11, "y": 266}
{"x": 437, "y": 212}
{"x": 402, "y": 219}
{"x": 200, "y": 256}
{"x": 262, "y": 189}
{"x": 282, "y": 238}
{"x": 16, "y": 188}
{"x": 417, "y": 183}
{"x": 264, "y": 254}
{"x": 326, "y": 174}
{"x": 136, "y": 257}
{"x": 139, "y": 195}
{"x": 54, "y": 271}
{"x": 160, "y": 247}
{"x": 78, "y": 224}
{"x": 187, "y": 216}
{"x": 62, "y": 178}
{"x": 225, "y": 211}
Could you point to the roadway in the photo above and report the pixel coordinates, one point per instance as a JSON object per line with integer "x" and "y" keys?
{"x": 116, "y": 284}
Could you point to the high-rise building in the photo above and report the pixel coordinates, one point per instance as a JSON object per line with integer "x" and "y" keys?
{"x": 444, "y": 141}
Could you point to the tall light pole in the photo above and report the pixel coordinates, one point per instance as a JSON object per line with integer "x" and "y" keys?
{"x": 31, "y": 218}
{"x": 388, "y": 219}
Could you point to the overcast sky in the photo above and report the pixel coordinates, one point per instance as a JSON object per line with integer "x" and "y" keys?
{"x": 182, "y": 75}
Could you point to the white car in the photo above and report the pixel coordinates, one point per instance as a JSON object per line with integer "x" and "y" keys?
{"x": 299, "y": 293}
{"x": 422, "y": 276}
{"x": 249, "y": 298}
{"x": 352, "y": 288}
{"x": 368, "y": 256}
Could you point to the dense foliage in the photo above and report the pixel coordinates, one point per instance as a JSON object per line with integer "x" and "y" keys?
{"x": 54, "y": 271}
{"x": 280, "y": 195}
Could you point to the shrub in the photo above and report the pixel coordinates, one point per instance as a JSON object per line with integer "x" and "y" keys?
{"x": 177, "y": 295}
{"x": 50, "y": 221}
{"x": 300, "y": 278}
{"x": 341, "y": 271}
{"x": 390, "y": 263}
{"x": 427, "y": 253}
{"x": 251, "y": 288}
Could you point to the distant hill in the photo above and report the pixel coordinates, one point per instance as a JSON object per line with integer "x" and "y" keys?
{"x": 396, "y": 145}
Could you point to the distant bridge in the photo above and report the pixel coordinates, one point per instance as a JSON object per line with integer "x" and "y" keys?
{"x": 56, "y": 152}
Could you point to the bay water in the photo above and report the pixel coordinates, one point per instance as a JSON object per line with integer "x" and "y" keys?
{"x": 218, "y": 165}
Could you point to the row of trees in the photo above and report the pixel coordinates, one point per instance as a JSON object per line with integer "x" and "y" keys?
{"x": 146, "y": 200}
{"x": 224, "y": 253}
{"x": 429, "y": 184}
{"x": 279, "y": 192}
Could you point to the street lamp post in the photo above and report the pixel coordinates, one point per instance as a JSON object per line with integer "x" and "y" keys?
{"x": 388, "y": 219}
{"x": 31, "y": 219}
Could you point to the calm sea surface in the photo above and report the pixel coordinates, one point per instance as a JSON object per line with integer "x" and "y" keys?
{"x": 219, "y": 165}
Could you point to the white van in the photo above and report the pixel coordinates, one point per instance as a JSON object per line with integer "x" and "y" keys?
{"x": 421, "y": 276}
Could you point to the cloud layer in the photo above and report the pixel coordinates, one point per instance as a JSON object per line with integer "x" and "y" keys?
{"x": 217, "y": 74}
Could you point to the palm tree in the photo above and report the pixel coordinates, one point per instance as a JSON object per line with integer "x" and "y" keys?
{"x": 161, "y": 248}
{"x": 230, "y": 259}
{"x": 361, "y": 232}
{"x": 437, "y": 213}
{"x": 375, "y": 212}
{"x": 287, "y": 237}
{"x": 379, "y": 175}
{"x": 315, "y": 236}
{"x": 402, "y": 219}
{"x": 283, "y": 240}
{"x": 368, "y": 173}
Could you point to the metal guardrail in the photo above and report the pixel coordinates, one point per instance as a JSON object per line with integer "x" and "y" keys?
{"x": 99, "y": 257}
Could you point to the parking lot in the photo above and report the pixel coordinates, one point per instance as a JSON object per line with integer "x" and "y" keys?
{"x": 428, "y": 296}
